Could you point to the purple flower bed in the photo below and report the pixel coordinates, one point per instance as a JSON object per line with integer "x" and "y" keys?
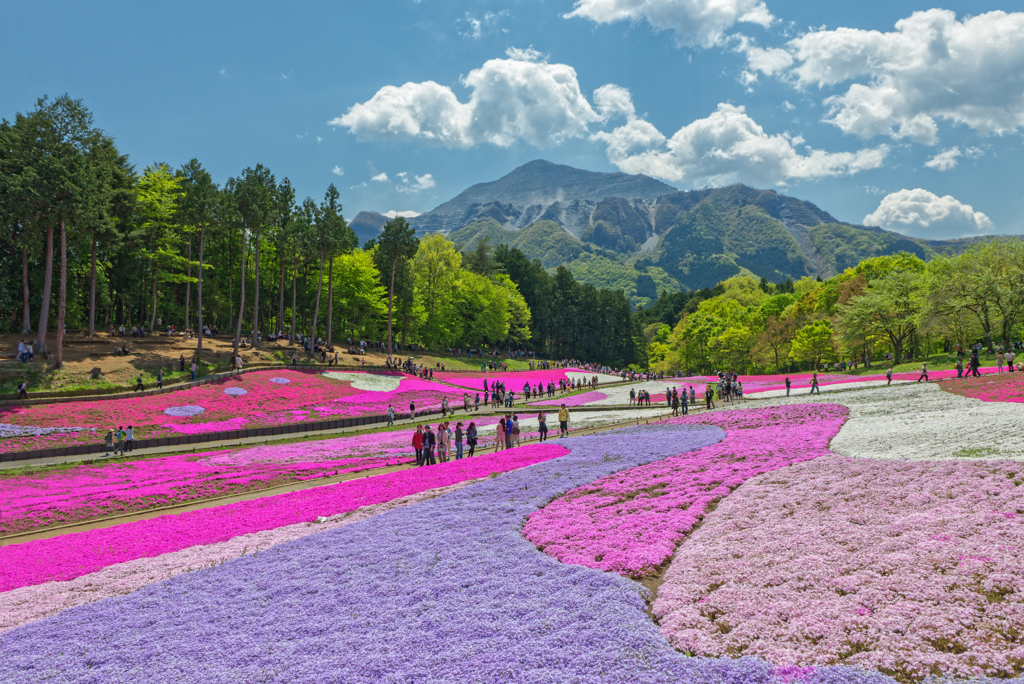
{"x": 443, "y": 591}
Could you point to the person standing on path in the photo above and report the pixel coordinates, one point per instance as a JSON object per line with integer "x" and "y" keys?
{"x": 192, "y": 368}
{"x": 709, "y": 397}
{"x": 685, "y": 401}
{"x": 458, "y": 441}
{"x": 471, "y": 438}
{"x": 499, "y": 440}
{"x": 1000, "y": 357}
{"x": 129, "y": 439}
{"x": 417, "y": 444}
{"x": 109, "y": 442}
{"x": 412, "y": 410}
{"x": 159, "y": 379}
{"x": 515, "y": 431}
{"x": 119, "y": 439}
{"x": 563, "y": 422}
{"x": 429, "y": 443}
{"x": 814, "y": 384}
{"x": 924, "y": 373}
{"x": 442, "y": 442}
{"x": 181, "y": 363}
{"x": 789, "y": 384}
{"x": 391, "y": 415}
{"x": 693, "y": 396}
{"x": 1010, "y": 358}
{"x": 138, "y": 384}
{"x": 673, "y": 401}
{"x": 542, "y": 425}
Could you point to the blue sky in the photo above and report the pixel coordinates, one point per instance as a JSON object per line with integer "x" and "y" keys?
{"x": 916, "y": 128}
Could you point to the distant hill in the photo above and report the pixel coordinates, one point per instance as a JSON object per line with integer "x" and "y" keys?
{"x": 367, "y": 225}
{"x": 638, "y": 234}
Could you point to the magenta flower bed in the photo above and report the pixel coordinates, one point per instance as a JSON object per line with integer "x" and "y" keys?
{"x": 90, "y": 491}
{"x": 1008, "y": 387}
{"x": 73, "y": 555}
{"x": 631, "y": 522}
{"x": 514, "y": 380}
{"x": 909, "y": 567}
{"x": 211, "y": 408}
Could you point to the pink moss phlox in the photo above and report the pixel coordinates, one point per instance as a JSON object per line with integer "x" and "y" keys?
{"x": 73, "y": 555}
{"x": 631, "y": 522}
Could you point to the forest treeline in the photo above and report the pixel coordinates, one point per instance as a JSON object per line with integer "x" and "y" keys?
{"x": 96, "y": 242}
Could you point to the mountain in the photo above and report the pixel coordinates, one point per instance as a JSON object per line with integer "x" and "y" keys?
{"x": 367, "y": 225}
{"x": 640, "y": 235}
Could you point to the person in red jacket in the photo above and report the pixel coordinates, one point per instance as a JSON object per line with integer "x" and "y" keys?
{"x": 417, "y": 444}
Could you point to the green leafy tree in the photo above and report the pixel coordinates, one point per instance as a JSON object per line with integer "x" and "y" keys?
{"x": 436, "y": 268}
{"x": 395, "y": 247}
{"x": 157, "y": 194}
{"x": 197, "y": 207}
{"x": 255, "y": 195}
{"x": 813, "y": 344}
{"x": 888, "y": 308}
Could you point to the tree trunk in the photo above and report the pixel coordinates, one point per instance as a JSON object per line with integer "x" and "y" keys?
{"x": 26, "y": 313}
{"x": 58, "y": 357}
{"x": 241, "y": 300}
{"x": 188, "y": 283}
{"x": 294, "y": 309}
{"x": 92, "y": 289}
{"x": 152, "y": 311}
{"x": 199, "y": 298}
{"x": 280, "y": 301}
{"x": 256, "y": 294}
{"x": 330, "y": 299}
{"x": 44, "y": 309}
{"x": 391, "y": 299}
{"x": 316, "y": 311}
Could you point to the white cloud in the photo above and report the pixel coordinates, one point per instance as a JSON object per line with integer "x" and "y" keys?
{"x": 788, "y": 106}
{"x": 694, "y": 22}
{"x": 223, "y": 72}
{"x": 424, "y": 182}
{"x": 612, "y": 100}
{"x": 338, "y": 171}
{"x": 381, "y": 177}
{"x": 726, "y": 147}
{"x": 767, "y": 61}
{"x": 923, "y": 214}
{"x": 403, "y": 214}
{"x": 931, "y": 67}
{"x": 488, "y": 23}
{"x": 519, "y": 98}
{"x": 945, "y": 160}
{"x": 319, "y": 140}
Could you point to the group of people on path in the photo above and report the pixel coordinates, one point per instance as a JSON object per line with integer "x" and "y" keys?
{"x": 426, "y": 442}
{"x": 120, "y": 440}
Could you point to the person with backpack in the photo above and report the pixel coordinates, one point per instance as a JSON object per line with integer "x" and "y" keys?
{"x": 119, "y": 441}
{"x": 471, "y": 438}
{"x": 138, "y": 384}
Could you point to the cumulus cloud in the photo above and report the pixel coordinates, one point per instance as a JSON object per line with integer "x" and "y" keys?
{"x": 519, "y": 98}
{"x": 945, "y": 160}
{"x": 693, "y": 22}
{"x": 403, "y": 214}
{"x": 726, "y": 147}
{"x": 338, "y": 171}
{"x": 931, "y": 67}
{"x": 923, "y": 214}
{"x": 381, "y": 177}
{"x": 424, "y": 182}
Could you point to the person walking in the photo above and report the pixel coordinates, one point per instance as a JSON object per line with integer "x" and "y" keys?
{"x": 138, "y": 384}
{"x": 391, "y": 415}
{"x": 888, "y": 377}
{"x": 412, "y": 410}
{"x": 542, "y": 425}
{"x": 417, "y": 444}
{"x": 119, "y": 439}
{"x": 471, "y": 438}
{"x": 789, "y": 385}
{"x": 673, "y": 401}
{"x": 709, "y": 397}
{"x": 159, "y": 379}
{"x": 924, "y": 373}
{"x": 192, "y": 369}
{"x": 1010, "y": 358}
{"x": 563, "y": 421}
{"x": 23, "y": 390}
{"x": 693, "y": 396}
{"x": 109, "y": 442}
{"x": 458, "y": 441}
{"x": 476, "y": 402}
{"x": 684, "y": 398}
{"x": 129, "y": 439}
{"x": 814, "y": 384}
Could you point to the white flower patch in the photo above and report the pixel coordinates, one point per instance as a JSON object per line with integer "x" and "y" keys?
{"x": 8, "y": 430}
{"x": 236, "y": 391}
{"x": 602, "y": 378}
{"x": 184, "y": 411}
{"x": 918, "y": 422}
{"x": 367, "y": 381}
{"x": 280, "y": 381}
{"x": 838, "y": 387}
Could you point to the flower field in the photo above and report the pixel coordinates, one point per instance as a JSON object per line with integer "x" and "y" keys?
{"x": 870, "y": 535}
{"x": 990, "y": 387}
